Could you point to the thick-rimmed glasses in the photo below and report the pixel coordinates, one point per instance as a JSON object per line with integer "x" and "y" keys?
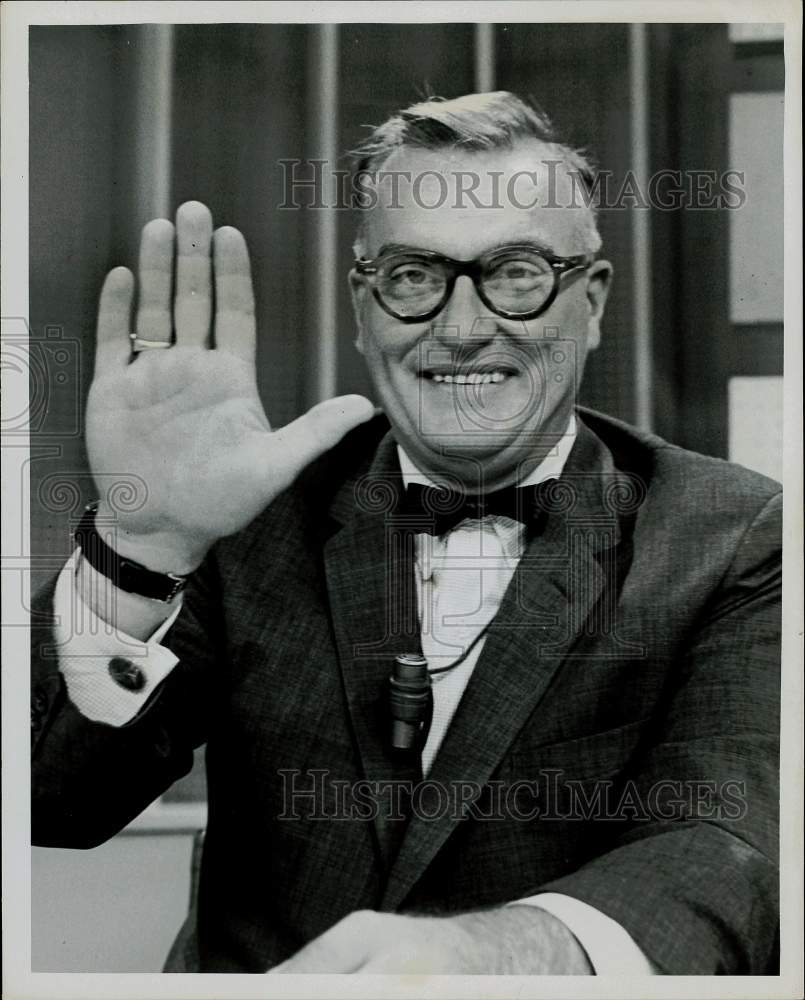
{"x": 516, "y": 282}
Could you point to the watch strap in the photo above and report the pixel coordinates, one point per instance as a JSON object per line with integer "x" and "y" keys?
{"x": 126, "y": 574}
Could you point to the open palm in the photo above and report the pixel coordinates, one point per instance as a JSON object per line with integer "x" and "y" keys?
{"x": 186, "y": 421}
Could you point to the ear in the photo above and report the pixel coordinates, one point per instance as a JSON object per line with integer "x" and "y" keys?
{"x": 359, "y": 289}
{"x": 599, "y": 278}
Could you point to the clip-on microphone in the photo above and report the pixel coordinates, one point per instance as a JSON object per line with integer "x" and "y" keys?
{"x": 411, "y": 703}
{"x": 411, "y": 697}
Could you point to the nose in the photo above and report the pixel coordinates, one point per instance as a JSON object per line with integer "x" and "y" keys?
{"x": 465, "y": 316}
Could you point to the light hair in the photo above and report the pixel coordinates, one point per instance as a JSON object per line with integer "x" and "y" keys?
{"x": 476, "y": 122}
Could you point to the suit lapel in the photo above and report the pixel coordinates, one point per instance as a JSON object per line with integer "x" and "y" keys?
{"x": 371, "y": 587}
{"x": 556, "y": 586}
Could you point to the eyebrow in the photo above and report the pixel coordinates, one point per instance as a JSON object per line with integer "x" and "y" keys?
{"x": 537, "y": 245}
{"x": 398, "y": 248}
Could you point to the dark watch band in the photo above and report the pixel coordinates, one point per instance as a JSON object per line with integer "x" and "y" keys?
{"x": 124, "y": 573}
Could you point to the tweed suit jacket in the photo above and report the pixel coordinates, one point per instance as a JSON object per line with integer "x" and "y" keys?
{"x": 617, "y": 741}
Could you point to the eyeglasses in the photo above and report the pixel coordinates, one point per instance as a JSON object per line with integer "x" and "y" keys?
{"x": 515, "y": 282}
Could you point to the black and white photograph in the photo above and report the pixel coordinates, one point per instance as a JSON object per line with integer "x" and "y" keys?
{"x": 402, "y": 499}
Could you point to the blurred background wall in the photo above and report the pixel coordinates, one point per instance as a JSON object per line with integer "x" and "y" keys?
{"x": 126, "y": 122}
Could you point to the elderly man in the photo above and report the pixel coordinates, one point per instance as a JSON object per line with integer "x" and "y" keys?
{"x": 487, "y": 682}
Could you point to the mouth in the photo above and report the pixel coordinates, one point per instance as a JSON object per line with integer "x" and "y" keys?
{"x": 468, "y": 376}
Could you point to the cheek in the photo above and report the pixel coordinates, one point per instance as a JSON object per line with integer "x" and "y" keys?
{"x": 554, "y": 357}
{"x": 379, "y": 350}
{"x": 563, "y": 336}
{"x": 568, "y": 316}
{"x": 384, "y": 342}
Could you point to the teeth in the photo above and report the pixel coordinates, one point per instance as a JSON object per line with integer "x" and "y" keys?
{"x": 474, "y": 378}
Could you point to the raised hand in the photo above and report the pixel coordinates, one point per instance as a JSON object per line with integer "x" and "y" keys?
{"x": 187, "y": 420}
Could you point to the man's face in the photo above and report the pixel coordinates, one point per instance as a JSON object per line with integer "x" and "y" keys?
{"x": 470, "y": 393}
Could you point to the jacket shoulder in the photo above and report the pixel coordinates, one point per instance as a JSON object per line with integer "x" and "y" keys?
{"x": 687, "y": 476}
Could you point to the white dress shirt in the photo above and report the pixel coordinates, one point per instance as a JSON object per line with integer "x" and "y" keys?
{"x": 461, "y": 578}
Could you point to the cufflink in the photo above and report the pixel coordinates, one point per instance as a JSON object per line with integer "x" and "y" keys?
{"x": 127, "y": 674}
{"x": 39, "y": 707}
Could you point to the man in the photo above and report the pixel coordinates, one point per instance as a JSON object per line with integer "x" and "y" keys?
{"x": 595, "y": 790}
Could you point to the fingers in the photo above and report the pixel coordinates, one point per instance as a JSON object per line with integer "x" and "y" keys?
{"x": 370, "y": 942}
{"x": 343, "y": 948}
{"x": 234, "y": 296}
{"x": 154, "y": 314}
{"x": 323, "y": 955}
{"x": 193, "y": 303}
{"x": 300, "y": 442}
{"x": 114, "y": 316}
{"x": 189, "y": 312}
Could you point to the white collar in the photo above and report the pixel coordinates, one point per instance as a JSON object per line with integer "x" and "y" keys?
{"x": 549, "y": 468}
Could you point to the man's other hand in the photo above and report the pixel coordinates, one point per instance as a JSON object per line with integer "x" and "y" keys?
{"x": 187, "y": 420}
{"x": 513, "y": 940}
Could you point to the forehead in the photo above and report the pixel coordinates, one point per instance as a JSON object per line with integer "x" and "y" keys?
{"x": 462, "y": 203}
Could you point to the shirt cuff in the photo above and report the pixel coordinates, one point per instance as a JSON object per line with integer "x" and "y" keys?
{"x": 86, "y": 646}
{"x": 610, "y": 949}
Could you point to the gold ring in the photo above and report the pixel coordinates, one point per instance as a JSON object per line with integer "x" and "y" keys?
{"x": 138, "y": 344}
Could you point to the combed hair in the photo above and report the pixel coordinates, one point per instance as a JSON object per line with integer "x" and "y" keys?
{"x": 496, "y": 120}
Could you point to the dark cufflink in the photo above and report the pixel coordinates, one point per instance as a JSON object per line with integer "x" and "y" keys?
{"x": 162, "y": 744}
{"x": 40, "y": 701}
{"x": 39, "y": 707}
{"x": 127, "y": 674}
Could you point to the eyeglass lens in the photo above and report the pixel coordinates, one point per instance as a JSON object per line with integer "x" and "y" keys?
{"x": 412, "y": 285}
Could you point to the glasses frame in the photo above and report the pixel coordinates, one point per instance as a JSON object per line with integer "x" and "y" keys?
{"x": 473, "y": 269}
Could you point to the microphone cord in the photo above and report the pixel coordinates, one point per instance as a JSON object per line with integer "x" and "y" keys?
{"x": 464, "y": 655}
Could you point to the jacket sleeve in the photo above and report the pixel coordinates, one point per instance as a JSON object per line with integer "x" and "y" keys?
{"x": 89, "y": 779}
{"x": 695, "y": 880}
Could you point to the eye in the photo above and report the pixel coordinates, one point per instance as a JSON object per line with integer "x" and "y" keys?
{"x": 515, "y": 274}
{"x": 411, "y": 279}
{"x": 517, "y": 270}
{"x": 410, "y": 274}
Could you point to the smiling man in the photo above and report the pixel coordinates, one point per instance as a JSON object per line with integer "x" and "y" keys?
{"x": 457, "y": 313}
{"x": 488, "y": 682}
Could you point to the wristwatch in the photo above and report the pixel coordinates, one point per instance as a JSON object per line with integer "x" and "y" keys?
{"x": 126, "y": 574}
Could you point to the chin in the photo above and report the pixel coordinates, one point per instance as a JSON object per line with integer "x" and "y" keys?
{"x": 467, "y": 460}
{"x": 466, "y": 446}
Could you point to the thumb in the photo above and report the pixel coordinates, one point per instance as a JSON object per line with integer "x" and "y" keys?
{"x": 320, "y": 429}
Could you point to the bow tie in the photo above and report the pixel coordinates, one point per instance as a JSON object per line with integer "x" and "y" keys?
{"x": 440, "y": 510}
